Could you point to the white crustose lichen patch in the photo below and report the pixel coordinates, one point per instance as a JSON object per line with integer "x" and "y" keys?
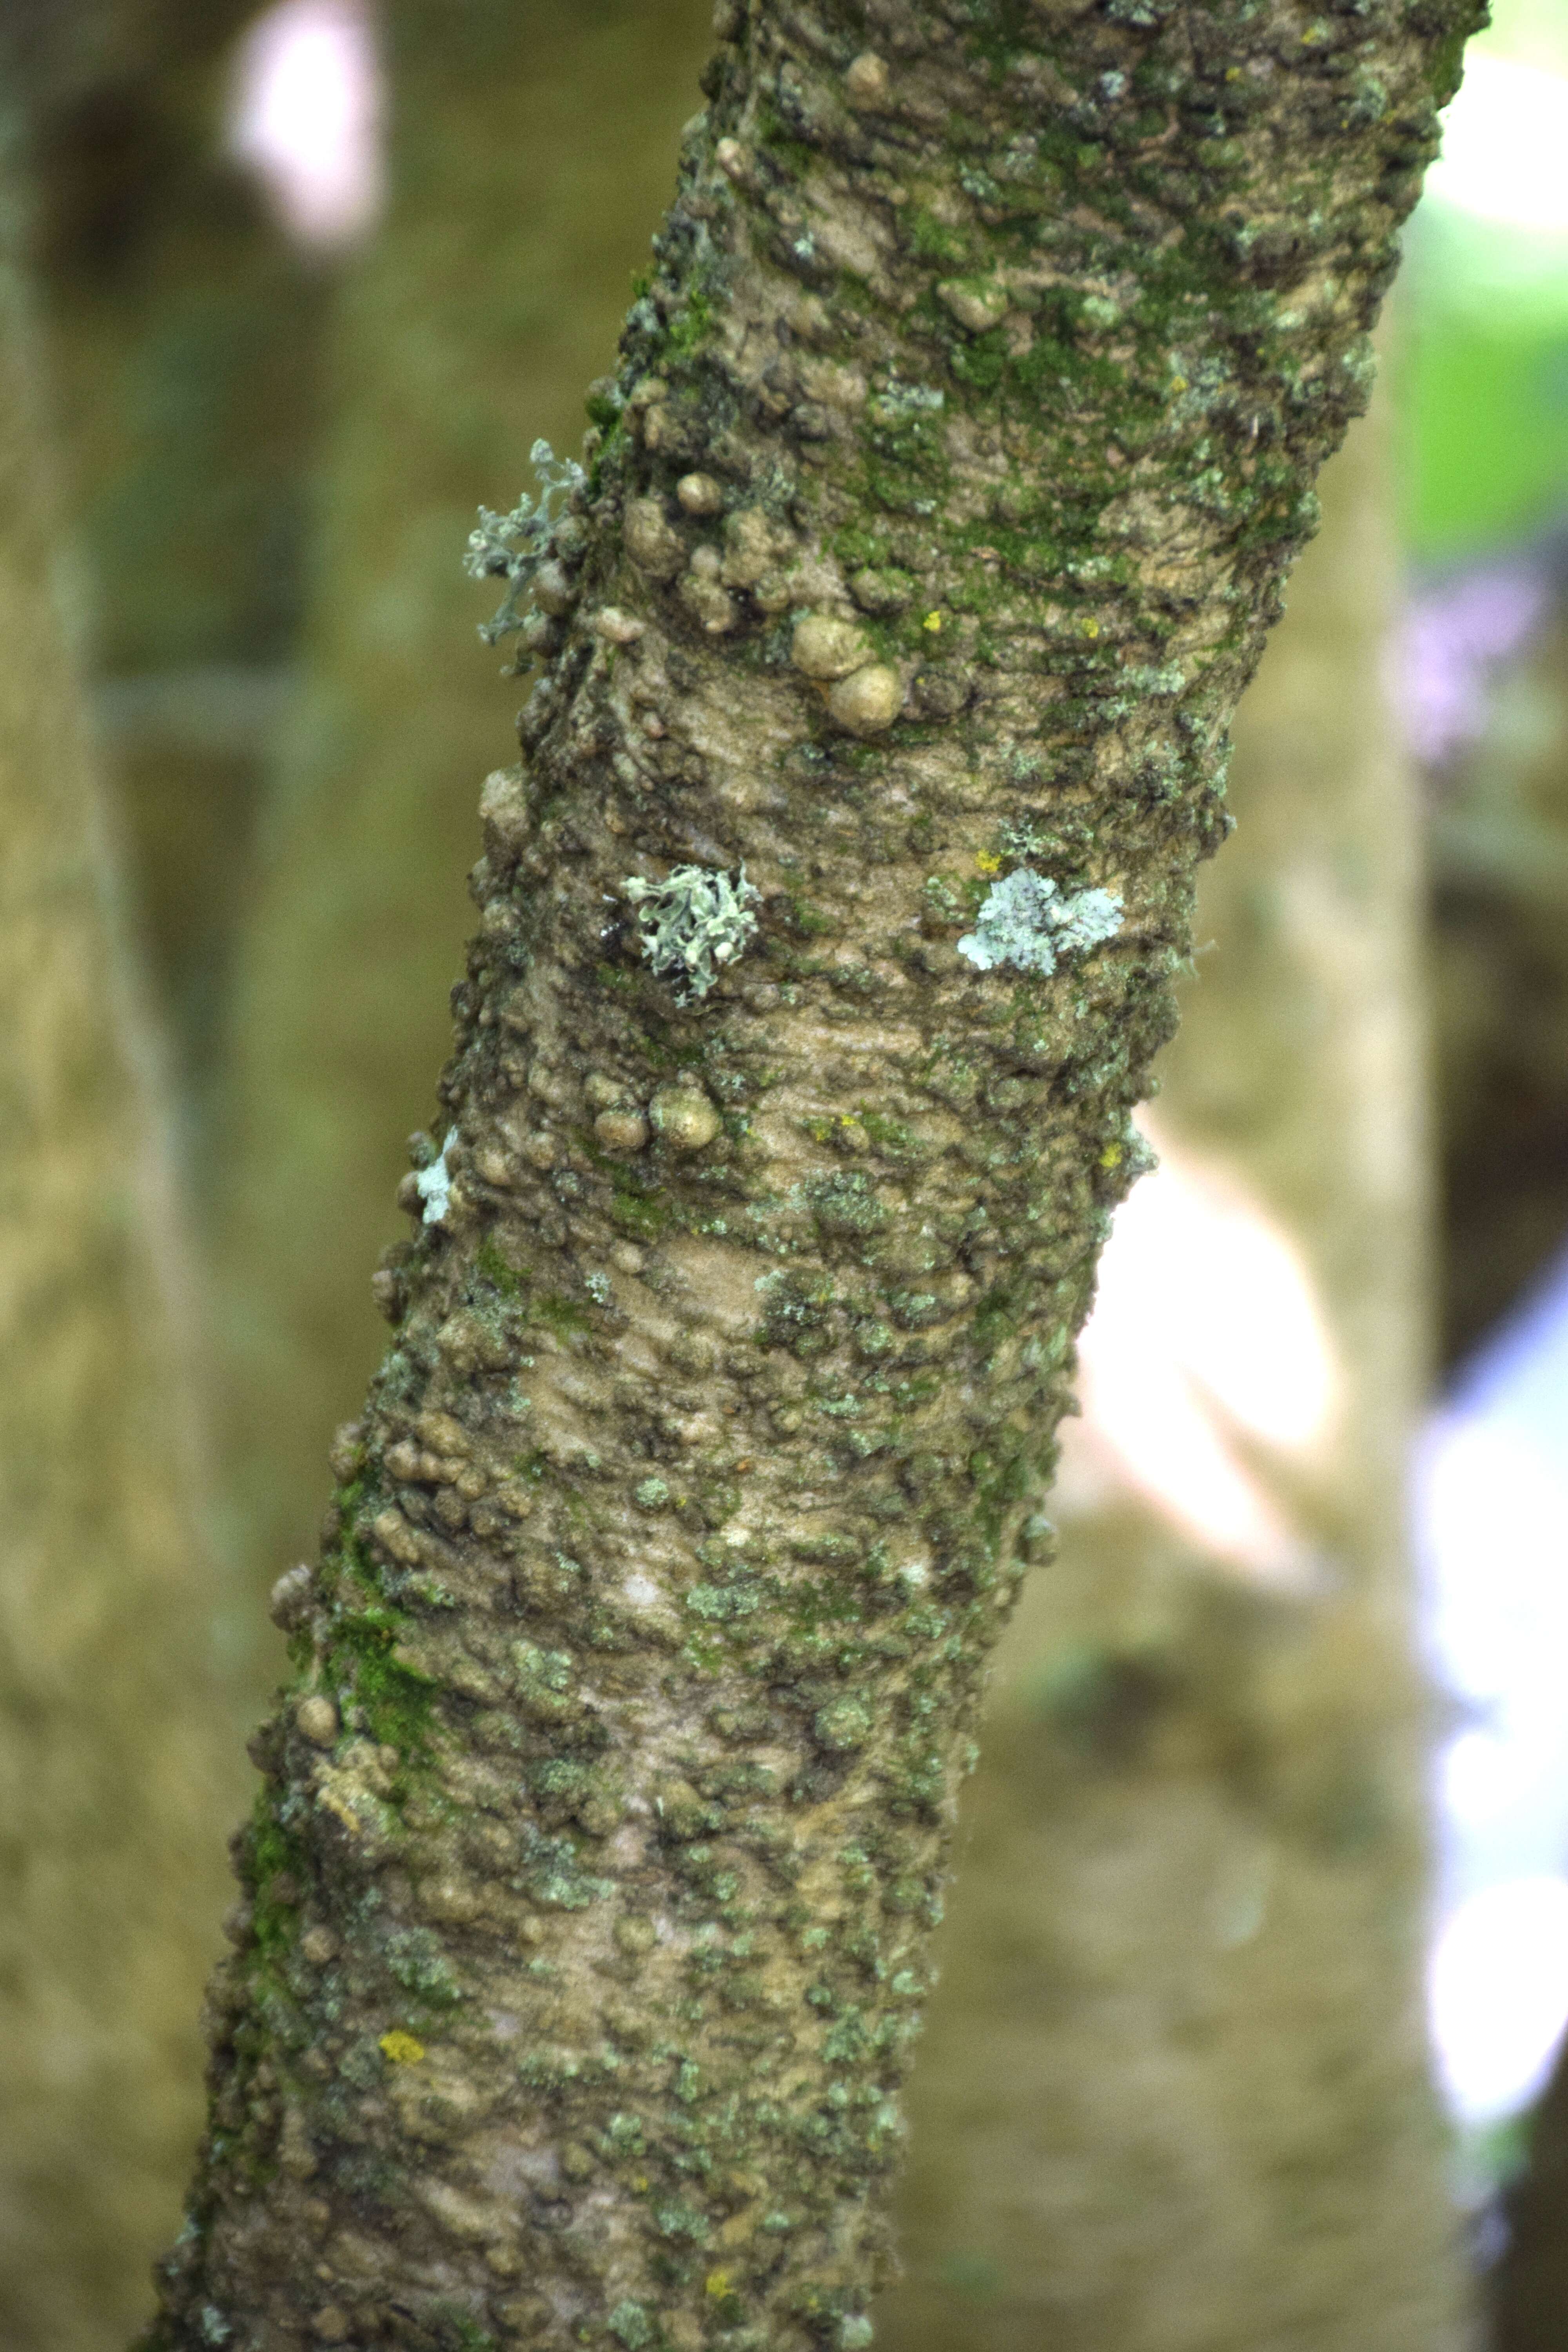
{"x": 434, "y": 1184}
{"x": 692, "y": 924}
{"x": 1029, "y": 923}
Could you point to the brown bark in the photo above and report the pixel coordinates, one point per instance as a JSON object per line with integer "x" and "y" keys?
{"x": 1172, "y": 2092}
{"x": 959, "y": 445}
{"x": 494, "y": 290}
{"x": 110, "y": 1709}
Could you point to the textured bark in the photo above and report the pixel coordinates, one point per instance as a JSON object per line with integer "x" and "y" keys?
{"x": 109, "y": 1709}
{"x": 1173, "y": 2093}
{"x": 589, "y": 1892}
{"x": 493, "y": 292}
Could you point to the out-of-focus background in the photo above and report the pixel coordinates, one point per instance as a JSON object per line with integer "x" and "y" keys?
{"x": 302, "y": 286}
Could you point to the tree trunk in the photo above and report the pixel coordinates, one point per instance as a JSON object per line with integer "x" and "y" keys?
{"x": 1526, "y": 2293}
{"x": 961, "y": 441}
{"x": 493, "y": 292}
{"x": 110, "y": 1860}
{"x": 1501, "y": 858}
{"x": 1500, "y": 854}
{"x": 183, "y": 342}
{"x": 1173, "y": 2093}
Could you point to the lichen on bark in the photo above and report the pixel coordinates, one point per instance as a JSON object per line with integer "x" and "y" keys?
{"x": 961, "y": 438}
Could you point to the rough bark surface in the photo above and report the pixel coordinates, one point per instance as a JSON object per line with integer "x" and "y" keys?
{"x": 961, "y": 440}
{"x": 1173, "y": 2094}
{"x": 110, "y": 1721}
{"x": 488, "y": 290}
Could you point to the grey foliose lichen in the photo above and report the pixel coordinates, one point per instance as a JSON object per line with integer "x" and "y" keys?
{"x": 692, "y": 924}
{"x": 511, "y": 547}
{"x": 434, "y": 1184}
{"x": 1027, "y": 922}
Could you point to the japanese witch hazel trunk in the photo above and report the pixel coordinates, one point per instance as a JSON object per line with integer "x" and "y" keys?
{"x": 961, "y": 437}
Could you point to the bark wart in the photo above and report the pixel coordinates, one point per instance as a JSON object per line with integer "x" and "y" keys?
{"x": 961, "y": 436}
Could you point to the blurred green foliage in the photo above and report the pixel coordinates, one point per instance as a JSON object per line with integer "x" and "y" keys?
{"x": 1483, "y": 380}
{"x": 1485, "y": 396}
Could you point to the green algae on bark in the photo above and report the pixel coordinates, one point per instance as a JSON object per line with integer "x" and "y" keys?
{"x": 963, "y": 433}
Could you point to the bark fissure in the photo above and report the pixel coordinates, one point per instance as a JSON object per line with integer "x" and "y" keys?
{"x": 962, "y": 433}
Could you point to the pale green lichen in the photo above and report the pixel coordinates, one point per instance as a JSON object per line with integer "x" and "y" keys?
{"x": 1025, "y": 921}
{"x": 693, "y": 923}
{"x": 434, "y": 1184}
{"x": 511, "y": 547}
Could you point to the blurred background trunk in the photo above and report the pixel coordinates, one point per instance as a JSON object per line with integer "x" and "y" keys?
{"x": 117, "y": 1763}
{"x": 1500, "y": 872}
{"x": 1529, "y": 2288}
{"x": 1172, "y": 2093}
{"x": 1501, "y": 966}
{"x": 183, "y": 334}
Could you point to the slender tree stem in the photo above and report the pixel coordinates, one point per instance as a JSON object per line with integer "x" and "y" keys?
{"x": 961, "y": 437}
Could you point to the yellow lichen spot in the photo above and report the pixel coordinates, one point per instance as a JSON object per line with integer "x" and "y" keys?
{"x": 1089, "y": 628}
{"x": 330, "y": 1802}
{"x": 717, "y": 2284}
{"x": 988, "y": 862}
{"x": 933, "y": 622}
{"x": 639, "y": 2182}
{"x": 401, "y": 2048}
{"x": 1178, "y": 384}
{"x": 1111, "y": 1156}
